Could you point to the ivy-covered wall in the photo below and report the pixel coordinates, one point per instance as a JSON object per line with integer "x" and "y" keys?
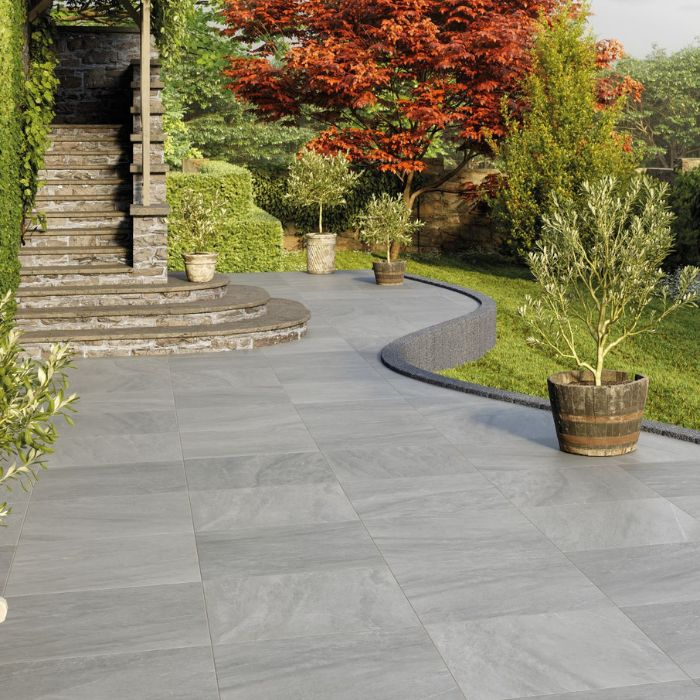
{"x": 12, "y": 13}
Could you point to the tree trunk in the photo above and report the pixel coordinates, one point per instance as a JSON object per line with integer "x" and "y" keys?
{"x": 406, "y": 196}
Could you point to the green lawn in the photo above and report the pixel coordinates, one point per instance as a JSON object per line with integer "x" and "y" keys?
{"x": 671, "y": 357}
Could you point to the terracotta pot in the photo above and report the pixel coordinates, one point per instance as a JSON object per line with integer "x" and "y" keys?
{"x": 389, "y": 274}
{"x": 320, "y": 253}
{"x": 597, "y": 421}
{"x": 200, "y": 267}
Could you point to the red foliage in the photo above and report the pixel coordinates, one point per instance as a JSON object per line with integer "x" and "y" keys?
{"x": 389, "y": 77}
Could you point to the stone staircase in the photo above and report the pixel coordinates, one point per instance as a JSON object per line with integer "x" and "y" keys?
{"x": 79, "y": 283}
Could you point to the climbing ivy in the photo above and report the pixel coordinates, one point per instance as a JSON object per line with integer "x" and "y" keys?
{"x": 39, "y": 100}
{"x": 11, "y": 99}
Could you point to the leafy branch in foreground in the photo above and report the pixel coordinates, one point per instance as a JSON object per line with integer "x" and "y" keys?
{"x": 598, "y": 264}
{"x": 33, "y": 393}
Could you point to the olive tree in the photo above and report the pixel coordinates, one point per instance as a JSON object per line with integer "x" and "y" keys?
{"x": 598, "y": 264}
{"x": 320, "y": 180}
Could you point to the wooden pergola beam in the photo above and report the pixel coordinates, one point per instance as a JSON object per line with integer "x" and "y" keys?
{"x": 39, "y": 8}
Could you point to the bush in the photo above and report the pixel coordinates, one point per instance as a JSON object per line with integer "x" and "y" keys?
{"x": 270, "y": 192}
{"x": 566, "y": 136}
{"x": 11, "y": 103}
{"x": 685, "y": 203}
{"x": 247, "y": 238}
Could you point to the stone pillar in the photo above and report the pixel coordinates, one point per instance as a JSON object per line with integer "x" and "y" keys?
{"x": 150, "y": 225}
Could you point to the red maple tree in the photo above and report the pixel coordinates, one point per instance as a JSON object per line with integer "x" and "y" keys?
{"x": 394, "y": 81}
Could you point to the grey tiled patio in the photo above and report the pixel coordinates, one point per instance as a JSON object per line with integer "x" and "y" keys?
{"x": 300, "y": 523}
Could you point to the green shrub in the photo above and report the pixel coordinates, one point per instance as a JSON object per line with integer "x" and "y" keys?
{"x": 684, "y": 200}
{"x": 247, "y": 238}
{"x": 11, "y": 102}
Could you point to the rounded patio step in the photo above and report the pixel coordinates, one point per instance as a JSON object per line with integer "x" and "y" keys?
{"x": 175, "y": 289}
{"x": 240, "y": 302}
{"x": 32, "y": 256}
{"x": 284, "y": 321}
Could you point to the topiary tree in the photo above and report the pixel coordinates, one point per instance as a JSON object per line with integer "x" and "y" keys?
{"x": 598, "y": 264}
{"x": 319, "y": 180}
{"x": 568, "y": 132}
{"x": 386, "y": 222}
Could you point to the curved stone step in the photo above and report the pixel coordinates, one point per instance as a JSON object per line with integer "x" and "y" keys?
{"x": 284, "y": 321}
{"x": 33, "y": 256}
{"x": 176, "y": 289}
{"x": 240, "y": 302}
{"x": 51, "y": 275}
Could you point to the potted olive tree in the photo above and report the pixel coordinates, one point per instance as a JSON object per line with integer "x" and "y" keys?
{"x": 320, "y": 181}
{"x": 385, "y": 222}
{"x": 200, "y": 263}
{"x": 34, "y": 394}
{"x": 598, "y": 264}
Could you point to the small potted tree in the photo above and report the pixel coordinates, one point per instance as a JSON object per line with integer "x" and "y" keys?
{"x": 598, "y": 264}
{"x": 320, "y": 181}
{"x": 200, "y": 264}
{"x": 387, "y": 222}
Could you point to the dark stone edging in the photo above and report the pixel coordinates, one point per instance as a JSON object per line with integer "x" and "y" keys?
{"x": 420, "y": 355}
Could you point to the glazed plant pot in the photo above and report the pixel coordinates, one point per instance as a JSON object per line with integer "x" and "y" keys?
{"x": 200, "y": 267}
{"x": 320, "y": 253}
{"x": 597, "y": 421}
{"x": 389, "y": 274}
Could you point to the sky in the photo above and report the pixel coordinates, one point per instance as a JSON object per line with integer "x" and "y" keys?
{"x": 672, "y": 24}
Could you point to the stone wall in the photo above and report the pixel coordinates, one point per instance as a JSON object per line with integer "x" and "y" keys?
{"x": 94, "y": 73}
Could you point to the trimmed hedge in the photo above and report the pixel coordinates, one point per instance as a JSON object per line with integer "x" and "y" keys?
{"x": 248, "y": 239}
{"x": 684, "y": 200}
{"x": 11, "y": 106}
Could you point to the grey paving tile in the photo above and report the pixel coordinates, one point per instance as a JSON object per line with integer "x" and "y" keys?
{"x": 119, "y": 480}
{"x": 305, "y": 604}
{"x": 259, "y": 418}
{"x": 690, "y": 504}
{"x": 116, "y": 449}
{"x": 311, "y": 359}
{"x": 475, "y": 584}
{"x": 679, "y": 690}
{"x": 257, "y": 470}
{"x": 644, "y": 575}
{"x": 554, "y": 487}
{"x": 329, "y": 391}
{"x": 96, "y": 423}
{"x": 55, "y": 566}
{"x": 217, "y": 379}
{"x": 656, "y": 449}
{"x": 670, "y": 478}
{"x": 107, "y": 517}
{"x": 281, "y": 550}
{"x": 18, "y": 502}
{"x": 380, "y": 665}
{"x": 522, "y": 656}
{"x": 6, "y": 554}
{"x": 172, "y": 674}
{"x": 396, "y": 461}
{"x": 270, "y": 506}
{"x": 615, "y": 524}
{"x": 675, "y": 628}
{"x": 119, "y": 620}
{"x": 323, "y": 417}
{"x": 220, "y": 443}
{"x": 393, "y": 499}
{"x": 229, "y": 398}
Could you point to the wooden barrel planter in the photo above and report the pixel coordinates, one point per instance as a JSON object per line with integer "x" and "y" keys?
{"x": 597, "y": 421}
{"x": 389, "y": 273}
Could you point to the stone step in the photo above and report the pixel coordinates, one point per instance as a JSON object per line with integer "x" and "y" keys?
{"x": 108, "y": 218}
{"x": 88, "y": 189}
{"x": 66, "y": 161}
{"x": 240, "y": 302}
{"x": 78, "y": 145}
{"x": 284, "y": 321}
{"x": 86, "y": 132}
{"x": 97, "y": 275}
{"x": 77, "y": 205}
{"x": 93, "y": 237}
{"x": 176, "y": 289}
{"x": 84, "y": 173}
{"x": 32, "y": 256}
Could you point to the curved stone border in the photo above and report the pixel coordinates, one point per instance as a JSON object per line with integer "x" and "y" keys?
{"x": 420, "y": 355}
